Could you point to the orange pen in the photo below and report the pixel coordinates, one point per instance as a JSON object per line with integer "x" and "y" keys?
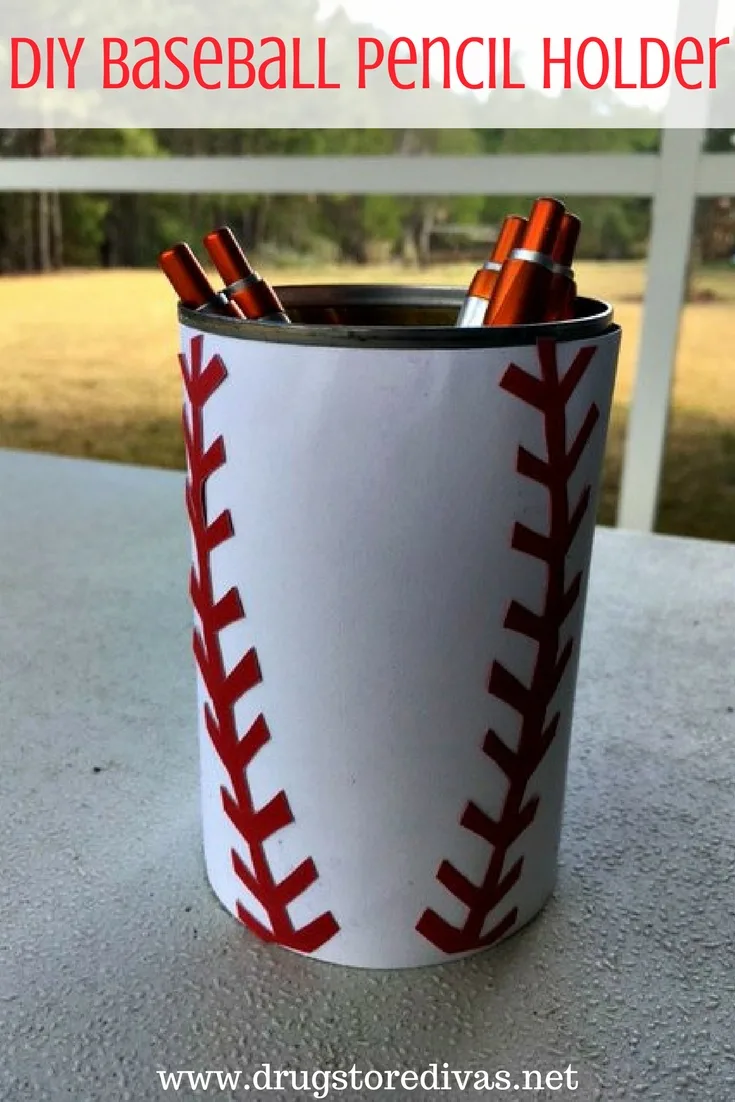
{"x": 256, "y": 298}
{"x": 563, "y": 288}
{"x": 189, "y": 281}
{"x": 521, "y": 293}
{"x": 474, "y": 307}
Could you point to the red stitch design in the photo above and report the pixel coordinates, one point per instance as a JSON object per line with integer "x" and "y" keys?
{"x": 225, "y": 689}
{"x": 549, "y": 395}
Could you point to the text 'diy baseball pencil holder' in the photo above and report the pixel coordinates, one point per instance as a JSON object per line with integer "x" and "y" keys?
{"x": 391, "y": 524}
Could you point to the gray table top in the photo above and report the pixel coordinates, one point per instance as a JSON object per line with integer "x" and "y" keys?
{"x": 116, "y": 961}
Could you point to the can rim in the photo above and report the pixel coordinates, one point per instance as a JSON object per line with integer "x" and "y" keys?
{"x": 595, "y": 317}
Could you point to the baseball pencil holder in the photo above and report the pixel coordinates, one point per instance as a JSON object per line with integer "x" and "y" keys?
{"x": 391, "y": 524}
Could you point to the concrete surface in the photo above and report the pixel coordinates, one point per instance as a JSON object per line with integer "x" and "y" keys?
{"x": 116, "y": 961}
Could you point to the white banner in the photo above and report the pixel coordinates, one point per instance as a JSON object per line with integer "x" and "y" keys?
{"x": 354, "y": 63}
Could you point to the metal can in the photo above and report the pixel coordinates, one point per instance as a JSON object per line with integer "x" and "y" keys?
{"x": 391, "y": 525}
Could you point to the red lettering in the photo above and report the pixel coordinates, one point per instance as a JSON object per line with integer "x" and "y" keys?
{"x": 200, "y": 61}
{"x": 619, "y": 82}
{"x": 492, "y": 63}
{"x": 426, "y": 73}
{"x": 604, "y": 67}
{"x": 680, "y": 61}
{"x": 15, "y": 44}
{"x": 323, "y": 82}
{"x": 177, "y": 63}
{"x": 566, "y": 61}
{"x": 714, "y": 45}
{"x": 108, "y": 61}
{"x": 49, "y": 63}
{"x": 279, "y": 61}
{"x": 394, "y": 61}
{"x": 154, "y": 60}
{"x": 71, "y": 60}
{"x": 665, "y": 63}
{"x": 460, "y": 62}
{"x": 297, "y": 83}
{"x": 233, "y": 60}
{"x": 362, "y": 66}
{"x": 507, "y": 62}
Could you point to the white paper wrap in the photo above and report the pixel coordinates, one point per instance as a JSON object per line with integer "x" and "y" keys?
{"x": 389, "y": 582}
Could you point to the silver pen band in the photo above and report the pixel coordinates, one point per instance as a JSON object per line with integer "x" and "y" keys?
{"x": 241, "y": 284}
{"x": 219, "y": 298}
{"x": 472, "y": 312}
{"x": 535, "y": 257}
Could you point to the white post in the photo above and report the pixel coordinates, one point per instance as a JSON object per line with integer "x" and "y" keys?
{"x": 672, "y": 219}
{"x": 671, "y": 234}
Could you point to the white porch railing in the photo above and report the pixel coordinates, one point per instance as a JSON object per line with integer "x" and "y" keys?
{"x": 672, "y": 178}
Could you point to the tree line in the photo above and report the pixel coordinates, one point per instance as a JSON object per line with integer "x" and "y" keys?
{"x": 41, "y": 232}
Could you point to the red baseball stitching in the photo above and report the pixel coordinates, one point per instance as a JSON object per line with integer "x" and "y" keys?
{"x": 549, "y": 395}
{"x": 225, "y": 689}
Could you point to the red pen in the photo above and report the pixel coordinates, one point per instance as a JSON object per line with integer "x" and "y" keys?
{"x": 521, "y": 293}
{"x": 480, "y": 292}
{"x": 563, "y": 290}
{"x": 243, "y": 286}
{"x": 189, "y": 281}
